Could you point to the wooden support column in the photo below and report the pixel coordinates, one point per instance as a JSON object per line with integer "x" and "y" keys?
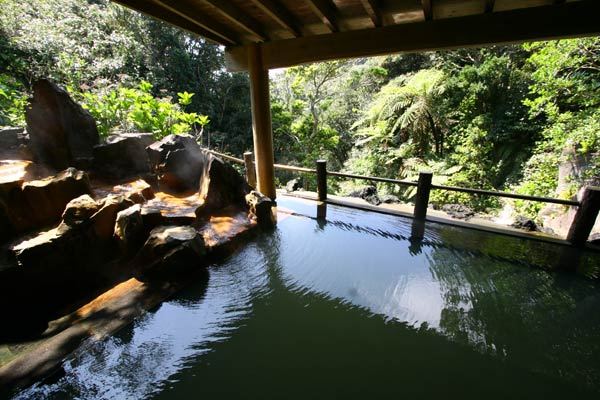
{"x": 322, "y": 180}
{"x": 261, "y": 122}
{"x": 422, "y": 198}
{"x": 585, "y": 218}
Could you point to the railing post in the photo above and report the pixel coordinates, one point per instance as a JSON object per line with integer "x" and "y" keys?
{"x": 585, "y": 217}
{"x": 422, "y": 198}
{"x": 250, "y": 170}
{"x": 322, "y": 180}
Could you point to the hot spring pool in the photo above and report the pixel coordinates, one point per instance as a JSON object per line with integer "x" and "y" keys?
{"x": 348, "y": 308}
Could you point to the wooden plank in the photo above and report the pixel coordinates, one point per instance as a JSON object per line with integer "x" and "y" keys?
{"x": 183, "y": 10}
{"x": 156, "y": 11}
{"x": 261, "y": 122}
{"x": 279, "y": 14}
{"x": 372, "y": 8}
{"x": 489, "y": 6}
{"x": 237, "y": 17}
{"x": 326, "y": 11}
{"x": 572, "y": 19}
{"x": 427, "y": 9}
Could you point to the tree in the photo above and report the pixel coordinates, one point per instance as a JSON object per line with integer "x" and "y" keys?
{"x": 408, "y": 109}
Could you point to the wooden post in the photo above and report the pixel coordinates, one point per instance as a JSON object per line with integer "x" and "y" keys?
{"x": 422, "y": 198}
{"x": 321, "y": 210}
{"x": 250, "y": 170}
{"x": 585, "y": 217}
{"x": 261, "y": 122}
{"x": 322, "y": 180}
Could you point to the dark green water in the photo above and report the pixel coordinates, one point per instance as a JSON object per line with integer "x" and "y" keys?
{"x": 350, "y": 308}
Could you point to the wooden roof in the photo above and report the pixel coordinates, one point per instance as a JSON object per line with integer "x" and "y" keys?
{"x": 291, "y": 32}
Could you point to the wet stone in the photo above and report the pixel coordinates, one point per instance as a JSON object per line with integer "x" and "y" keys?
{"x": 79, "y": 209}
{"x": 122, "y": 156}
{"x": 129, "y": 229}
{"x": 261, "y": 209}
{"x": 169, "y": 251}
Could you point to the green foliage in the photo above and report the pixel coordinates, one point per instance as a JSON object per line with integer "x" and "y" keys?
{"x": 136, "y": 109}
{"x": 566, "y": 89}
{"x": 300, "y": 113}
{"x": 502, "y": 117}
{"x": 12, "y": 102}
{"x": 407, "y": 110}
{"x": 91, "y": 45}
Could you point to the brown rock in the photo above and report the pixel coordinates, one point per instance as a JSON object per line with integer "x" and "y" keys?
{"x": 14, "y": 144}
{"x": 103, "y": 220}
{"x": 44, "y": 200}
{"x": 6, "y": 227}
{"x": 158, "y": 151}
{"x": 181, "y": 170}
{"x": 123, "y": 155}
{"x": 261, "y": 209}
{"x": 221, "y": 186}
{"x": 151, "y": 217}
{"x": 61, "y": 132}
{"x": 129, "y": 229}
{"x": 169, "y": 251}
{"x": 79, "y": 209}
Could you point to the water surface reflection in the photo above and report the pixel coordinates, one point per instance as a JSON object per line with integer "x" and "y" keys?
{"x": 346, "y": 306}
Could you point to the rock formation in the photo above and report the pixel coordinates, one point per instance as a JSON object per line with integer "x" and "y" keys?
{"x": 170, "y": 250}
{"x": 62, "y": 133}
{"x": 14, "y": 144}
{"x": 368, "y": 194}
{"x": 178, "y": 162}
{"x": 150, "y": 210}
{"x": 35, "y": 204}
{"x": 261, "y": 209}
{"x": 571, "y": 180}
{"x": 123, "y": 156}
{"x": 221, "y": 186}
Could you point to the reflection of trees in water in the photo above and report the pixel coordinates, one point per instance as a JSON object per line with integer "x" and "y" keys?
{"x": 544, "y": 321}
{"x": 167, "y": 340}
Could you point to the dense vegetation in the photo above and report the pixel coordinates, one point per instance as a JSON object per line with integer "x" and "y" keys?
{"x": 494, "y": 118}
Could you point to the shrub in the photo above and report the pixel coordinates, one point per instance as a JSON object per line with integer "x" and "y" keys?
{"x": 136, "y": 109}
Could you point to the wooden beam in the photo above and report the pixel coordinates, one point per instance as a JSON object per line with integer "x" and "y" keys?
{"x": 585, "y": 217}
{"x": 374, "y": 12}
{"x": 155, "y": 11}
{"x": 184, "y": 10}
{"x": 572, "y": 19}
{"x": 427, "y": 9}
{"x": 238, "y": 17}
{"x": 279, "y": 14}
{"x": 489, "y": 6}
{"x": 261, "y": 122}
{"x": 326, "y": 11}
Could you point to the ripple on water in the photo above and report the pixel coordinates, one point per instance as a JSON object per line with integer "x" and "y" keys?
{"x": 455, "y": 285}
{"x": 142, "y": 359}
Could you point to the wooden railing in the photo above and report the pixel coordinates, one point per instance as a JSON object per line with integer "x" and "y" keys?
{"x": 583, "y": 222}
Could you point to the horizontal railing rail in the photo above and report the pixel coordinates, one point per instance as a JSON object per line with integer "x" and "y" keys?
{"x": 294, "y": 168}
{"x": 227, "y": 157}
{"x": 588, "y": 208}
{"x": 507, "y": 195}
{"x": 372, "y": 178}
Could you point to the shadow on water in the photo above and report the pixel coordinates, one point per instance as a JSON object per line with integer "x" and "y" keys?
{"x": 347, "y": 306}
